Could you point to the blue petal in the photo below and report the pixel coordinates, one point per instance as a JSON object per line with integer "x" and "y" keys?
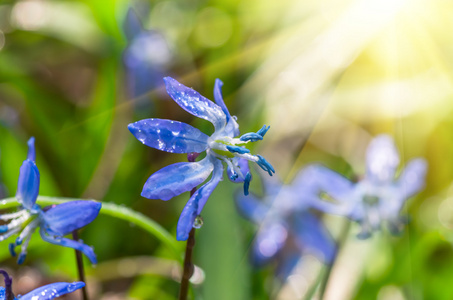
{"x": 382, "y": 159}
{"x": 132, "y": 25}
{"x": 194, "y": 103}
{"x": 251, "y": 207}
{"x": 31, "y": 155}
{"x": 313, "y": 237}
{"x": 28, "y": 185}
{"x": 77, "y": 245}
{"x": 270, "y": 239}
{"x": 232, "y": 127}
{"x": 52, "y": 291}
{"x": 196, "y": 203}
{"x": 412, "y": 179}
{"x": 243, "y": 165}
{"x": 219, "y": 98}
{"x": 176, "y": 179}
{"x": 315, "y": 179}
{"x": 170, "y": 136}
{"x": 69, "y": 216}
{"x": 2, "y": 293}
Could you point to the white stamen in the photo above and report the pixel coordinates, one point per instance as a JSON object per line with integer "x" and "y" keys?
{"x": 18, "y": 221}
{"x": 6, "y": 217}
{"x": 28, "y": 230}
{"x": 9, "y": 233}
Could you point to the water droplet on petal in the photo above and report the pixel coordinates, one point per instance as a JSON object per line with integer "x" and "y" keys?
{"x": 198, "y": 222}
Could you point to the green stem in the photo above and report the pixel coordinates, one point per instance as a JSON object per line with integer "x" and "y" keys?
{"x": 341, "y": 241}
{"x": 117, "y": 211}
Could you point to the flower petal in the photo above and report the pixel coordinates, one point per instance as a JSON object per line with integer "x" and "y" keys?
{"x": 316, "y": 179}
{"x": 382, "y": 159}
{"x": 194, "y": 103}
{"x": 77, "y": 245}
{"x": 313, "y": 237}
{"x": 219, "y": 98}
{"x": 28, "y": 185}
{"x": 412, "y": 179}
{"x": 66, "y": 217}
{"x": 53, "y": 290}
{"x": 176, "y": 179}
{"x": 243, "y": 165}
{"x": 132, "y": 25}
{"x": 232, "y": 127}
{"x": 269, "y": 240}
{"x": 170, "y": 136}
{"x": 196, "y": 203}
{"x": 251, "y": 207}
{"x": 31, "y": 155}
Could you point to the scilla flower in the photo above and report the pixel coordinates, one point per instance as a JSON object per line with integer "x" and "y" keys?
{"x": 379, "y": 196}
{"x": 221, "y": 147}
{"x": 46, "y": 292}
{"x": 53, "y": 223}
{"x": 287, "y": 228}
{"x": 146, "y": 56}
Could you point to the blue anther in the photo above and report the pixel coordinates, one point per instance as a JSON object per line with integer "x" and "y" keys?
{"x": 248, "y": 178}
{"x": 251, "y": 136}
{"x": 11, "y": 247}
{"x": 237, "y": 149}
{"x": 18, "y": 241}
{"x": 265, "y": 165}
{"x": 21, "y": 258}
{"x": 3, "y": 228}
{"x": 263, "y": 130}
{"x": 234, "y": 176}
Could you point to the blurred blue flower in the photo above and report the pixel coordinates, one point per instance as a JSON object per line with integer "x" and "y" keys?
{"x": 286, "y": 225}
{"x": 53, "y": 223}
{"x": 177, "y": 137}
{"x": 47, "y": 292}
{"x": 145, "y": 57}
{"x": 375, "y": 199}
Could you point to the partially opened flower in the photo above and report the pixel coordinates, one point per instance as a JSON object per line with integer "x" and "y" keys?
{"x": 286, "y": 226}
{"x": 379, "y": 196}
{"x": 53, "y": 223}
{"x": 47, "y": 292}
{"x": 221, "y": 146}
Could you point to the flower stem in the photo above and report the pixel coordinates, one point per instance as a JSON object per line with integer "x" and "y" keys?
{"x": 188, "y": 266}
{"x": 8, "y": 286}
{"x": 341, "y": 241}
{"x": 116, "y": 211}
{"x": 80, "y": 269}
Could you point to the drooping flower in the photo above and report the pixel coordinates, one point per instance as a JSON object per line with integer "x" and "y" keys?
{"x": 177, "y": 137}
{"x": 287, "y": 228}
{"x": 53, "y": 223}
{"x": 375, "y": 199}
{"x": 47, "y": 292}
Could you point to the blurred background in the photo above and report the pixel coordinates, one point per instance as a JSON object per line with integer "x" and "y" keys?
{"x": 326, "y": 75}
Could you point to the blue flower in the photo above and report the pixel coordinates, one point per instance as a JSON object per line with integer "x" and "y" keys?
{"x": 375, "y": 199}
{"x": 287, "y": 228}
{"x": 53, "y": 223}
{"x": 145, "y": 57}
{"x": 221, "y": 146}
{"x": 46, "y": 292}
